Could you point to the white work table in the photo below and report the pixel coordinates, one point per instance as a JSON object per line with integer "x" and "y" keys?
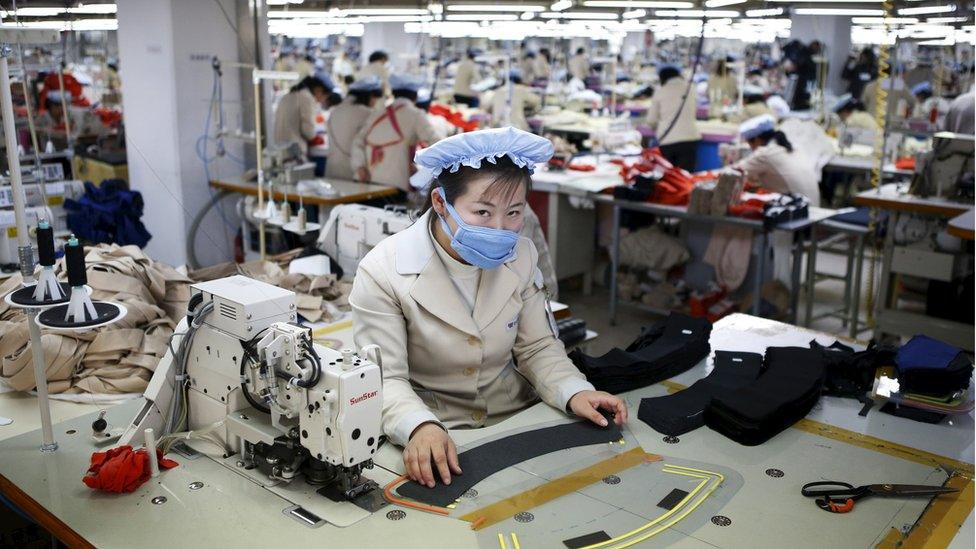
{"x": 760, "y": 498}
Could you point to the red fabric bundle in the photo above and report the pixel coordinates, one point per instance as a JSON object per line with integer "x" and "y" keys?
{"x": 455, "y": 118}
{"x": 905, "y": 163}
{"x": 122, "y": 470}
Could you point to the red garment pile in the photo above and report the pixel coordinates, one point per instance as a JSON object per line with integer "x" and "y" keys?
{"x": 71, "y": 85}
{"x": 121, "y": 469}
{"x": 905, "y": 163}
{"x": 110, "y": 118}
{"x": 672, "y": 186}
{"x": 455, "y": 118}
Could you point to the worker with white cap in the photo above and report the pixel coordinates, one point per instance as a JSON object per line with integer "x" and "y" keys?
{"x": 852, "y": 115}
{"x": 345, "y": 121}
{"x": 512, "y": 113}
{"x": 383, "y": 148}
{"x": 928, "y": 106}
{"x": 774, "y": 164}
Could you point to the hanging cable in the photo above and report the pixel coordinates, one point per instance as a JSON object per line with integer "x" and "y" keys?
{"x": 877, "y": 170}
{"x": 691, "y": 83}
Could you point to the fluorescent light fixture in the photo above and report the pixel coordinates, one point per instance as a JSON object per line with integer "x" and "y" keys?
{"x": 435, "y": 8}
{"x": 482, "y": 17}
{"x": 95, "y": 9}
{"x": 494, "y": 7}
{"x": 772, "y": 12}
{"x": 382, "y": 11}
{"x": 637, "y": 4}
{"x": 579, "y": 15}
{"x": 722, "y": 3}
{"x": 882, "y": 20}
{"x": 392, "y": 19}
{"x": 637, "y": 14}
{"x": 561, "y": 5}
{"x": 949, "y": 8}
{"x": 838, "y": 11}
{"x": 527, "y": 16}
{"x": 696, "y": 13}
{"x": 945, "y": 19}
{"x": 38, "y": 12}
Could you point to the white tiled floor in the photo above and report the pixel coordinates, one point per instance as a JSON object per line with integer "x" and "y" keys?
{"x": 594, "y": 309}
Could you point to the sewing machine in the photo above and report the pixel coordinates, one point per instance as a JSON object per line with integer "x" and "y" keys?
{"x": 353, "y": 230}
{"x": 242, "y": 376}
{"x": 947, "y": 170}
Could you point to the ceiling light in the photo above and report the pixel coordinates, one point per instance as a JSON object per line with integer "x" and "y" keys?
{"x": 435, "y": 8}
{"x": 38, "y": 12}
{"x": 636, "y": 14}
{"x": 637, "y": 4}
{"x": 927, "y": 9}
{"x": 946, "y": 19}
{"x": 838, "y": 11}
{"x": 494, "y": 7}
{"x": 764, "y": 13}
{"x": 528, "y": 15}
{"x": 95, "y": 9}
{"x": 381, "y": 11}
{"x": 579, "y": 15}
{"x": 561, "y": 5}
{"x": 722, "y": 3}
{"x": 882, "y": 20}
{"x": 482, "y": 17}
{"x": 696, "y": 13}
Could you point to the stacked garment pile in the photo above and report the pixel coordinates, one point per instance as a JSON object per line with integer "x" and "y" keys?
{"x": 662, "y": 351}
{"x": 117, "y": 359}
{"x": 933, "y": 380}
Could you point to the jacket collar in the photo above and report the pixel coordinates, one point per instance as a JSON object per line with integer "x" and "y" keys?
{"x": 433, "y": 289}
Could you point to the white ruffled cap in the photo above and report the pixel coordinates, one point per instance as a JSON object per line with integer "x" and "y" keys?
{"x": 757, "y": 126}
{"x": 524, "y": 149}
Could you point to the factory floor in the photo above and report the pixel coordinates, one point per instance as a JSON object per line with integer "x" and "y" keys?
{"x": 594, "y": 309}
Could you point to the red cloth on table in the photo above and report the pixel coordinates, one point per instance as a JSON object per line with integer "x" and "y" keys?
{"x": 455, "y": 118}
{"x": 122, "y": 470}
{"x": 905, "y": 163}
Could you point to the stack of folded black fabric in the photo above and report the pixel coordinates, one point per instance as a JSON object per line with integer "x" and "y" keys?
{"x": 662, "y": 351}
{"x": 789, "y": 207}
{"x": 786, "y": 390}
{"x": 851, "y": 373}
{"x": 683, "y": 411}
{"x": 930, "y": 367}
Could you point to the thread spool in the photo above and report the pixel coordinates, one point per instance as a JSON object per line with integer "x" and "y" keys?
{"x": 45, "y": 244}
{"x": 151, "y": 450}
{"x": 74, "y": 257}
{"x": 285, "y": 212}
{"x": 301, "y": 220}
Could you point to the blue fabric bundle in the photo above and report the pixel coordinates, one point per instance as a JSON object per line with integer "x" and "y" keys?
{"x": 109, "y": 213}
{"x": 929, "y": 366}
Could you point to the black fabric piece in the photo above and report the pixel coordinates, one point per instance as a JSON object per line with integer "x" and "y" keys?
{"x": 789, "y": 207}
{"x": 483, "y": 461}
{"x": 571, "y": 331}
{"x": 660, "y": 352}
{"x": 54, "y": 317}
{"x": 938, "y": 382}
{"x": 785, "y": 392}
{"x": 672, "y": 499}
{"x": 587, "y": 540}
{"x": 683, "y": 411}
{"x": 25, "y": 296}
{"x": 851, "y": 373}
{"x": 868, "y": 404}
{"x": 914, "y": 414}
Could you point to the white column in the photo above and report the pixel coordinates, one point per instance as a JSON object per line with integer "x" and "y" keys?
{"x": 834, "y": 32}
{"x": 165, "y": 49}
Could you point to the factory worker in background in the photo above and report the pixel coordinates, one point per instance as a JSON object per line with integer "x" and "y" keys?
{"x": 579, "y": 65}
{"x": 523, "y": 99}
{"x": 467, "y": 74}
{"x": 901, "y": 102}
{"x": 774, "y": 164}
{"x": 378, "y": 65}
{"x": 673, "y": 101}
{"x": 852, "y": 115}
{"x": 927, "y": 105}
{"x": 753, "y": 102}
{"x": 295, "y": 115}
{"x": 459, "y": 307}
{"x": 346, "y": 120}
{"x": 383, "y": 148}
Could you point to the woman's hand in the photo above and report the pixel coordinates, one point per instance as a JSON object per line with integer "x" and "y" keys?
{"x": 587, "y": 404}
{"x": 428, "y": 441}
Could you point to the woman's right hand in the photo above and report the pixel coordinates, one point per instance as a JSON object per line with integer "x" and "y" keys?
{"x": 430, "y": 443}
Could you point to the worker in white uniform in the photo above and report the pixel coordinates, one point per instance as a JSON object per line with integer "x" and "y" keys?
{"x": 927, "y": 105}
{"x": 295, "y": 115}
{"x": 960, "y": 116}
{"x": 383, "y": 148}
{"x": 753, "y": 103}
{"x": 852, "y": 115}
{"x": 459, "y": 307}
{"x": 774, "y": 164}
{"x": 378, "y": 65}
{"x": 467, "y": 74}
{"x": 672, "y": 117}
{"x": 345, "y": 121}
{"x": 579, "y": 65}
{"x": 343, "y": 69}
{"x": 901, "y": 102}
{"x": 543, "y": 64}
{"x": 523, "y": 99}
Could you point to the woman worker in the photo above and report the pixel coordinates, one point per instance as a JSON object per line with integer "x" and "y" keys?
{"x": 295, "y": 115}
{"x": 346, "y": 120}
{"x": 672, "y": 117}
{"x": 773, "y": 163}
{"x": 459, "y": 308}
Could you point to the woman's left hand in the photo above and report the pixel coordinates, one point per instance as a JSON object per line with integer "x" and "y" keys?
{"x": 587, "y": 404}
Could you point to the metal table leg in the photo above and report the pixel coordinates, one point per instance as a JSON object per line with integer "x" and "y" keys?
{"x": 847, "y": 280}
{"x": 811, "y": 275}
{"x": 795, "y": 280}
{"x": 855, "y": 303}
{"x": 614, "y": 263}
{"x": 883, "y": 298}
{"x": 760, "y": 268}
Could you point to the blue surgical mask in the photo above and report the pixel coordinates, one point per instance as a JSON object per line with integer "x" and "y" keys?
{"x": 480, "y": 246}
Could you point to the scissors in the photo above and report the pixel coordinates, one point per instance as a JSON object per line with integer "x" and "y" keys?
{"x": 839, "y": 497}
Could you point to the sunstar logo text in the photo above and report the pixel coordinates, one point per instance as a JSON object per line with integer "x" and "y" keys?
{"x": 362, "y": 397}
